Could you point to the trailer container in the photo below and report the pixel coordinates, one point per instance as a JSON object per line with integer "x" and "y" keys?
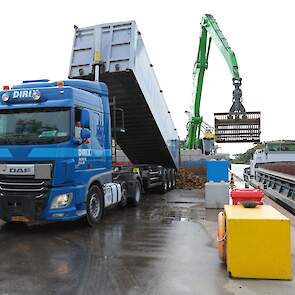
{"x": 142, "y": 124}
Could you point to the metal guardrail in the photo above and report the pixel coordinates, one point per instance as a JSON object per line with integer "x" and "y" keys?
{"x": 281, "y": 185}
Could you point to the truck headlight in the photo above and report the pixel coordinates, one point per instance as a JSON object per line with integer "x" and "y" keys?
{"x": 61, "y": 201}
{"x": 36, "y": 95}
{"x": 5, "y": 96}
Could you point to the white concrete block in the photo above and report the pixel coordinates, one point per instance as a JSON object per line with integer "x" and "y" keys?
{"x": 216, "y": 194}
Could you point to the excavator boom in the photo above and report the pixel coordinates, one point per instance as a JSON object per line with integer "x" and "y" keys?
{"x": 237, "y": 125}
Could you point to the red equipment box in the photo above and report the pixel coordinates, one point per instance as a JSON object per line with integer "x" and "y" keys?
{"x": 246, "y": 194}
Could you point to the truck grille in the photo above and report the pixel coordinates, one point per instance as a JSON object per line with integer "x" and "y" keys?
{"x": 22, "y": 187}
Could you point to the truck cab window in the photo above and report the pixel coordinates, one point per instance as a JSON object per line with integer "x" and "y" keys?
{"x": 77, "y": 117}
{"x": 77, "y": 122}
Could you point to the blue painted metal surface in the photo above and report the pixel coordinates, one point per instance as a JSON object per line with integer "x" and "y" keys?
{"x": 217, "y": 170}
{"x": 74, "y": 166}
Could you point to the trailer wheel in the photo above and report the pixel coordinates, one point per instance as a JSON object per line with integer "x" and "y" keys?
{"x": 169, "y": 177}
{"x": 135, "y": 199}
{"x": 164, "y": 185}
{"x": 173, "y": 173}
{"x": 94, "y": 205}
{"x": 124, "y": 195}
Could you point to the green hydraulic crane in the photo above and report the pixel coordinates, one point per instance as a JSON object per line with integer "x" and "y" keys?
{"x": 235, "y": 126}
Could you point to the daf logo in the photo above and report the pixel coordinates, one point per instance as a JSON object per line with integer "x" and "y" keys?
{"x": 19, "y": 170}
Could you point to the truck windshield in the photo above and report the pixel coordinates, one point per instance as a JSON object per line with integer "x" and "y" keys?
{"x": 34, "y": 126}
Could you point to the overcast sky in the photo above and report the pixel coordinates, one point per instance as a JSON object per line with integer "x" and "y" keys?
{"x": 36, "y": 41}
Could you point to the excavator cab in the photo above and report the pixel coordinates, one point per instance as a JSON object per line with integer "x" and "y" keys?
{"x": 237, "y": 125}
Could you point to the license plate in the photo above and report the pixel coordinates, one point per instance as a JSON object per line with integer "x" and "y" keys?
{"x": 20, "y": 218}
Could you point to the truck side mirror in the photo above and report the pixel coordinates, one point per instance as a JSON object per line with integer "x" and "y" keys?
{"x": 85, "y": 119}
{"x": 85, "y": 134}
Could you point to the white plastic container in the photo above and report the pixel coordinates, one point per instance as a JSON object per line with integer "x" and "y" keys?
{"x": 216, "y": 194}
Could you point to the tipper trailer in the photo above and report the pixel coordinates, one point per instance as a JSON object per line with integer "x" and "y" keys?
{"x": 55, "y": 137}
{"x": 115, "y": 54}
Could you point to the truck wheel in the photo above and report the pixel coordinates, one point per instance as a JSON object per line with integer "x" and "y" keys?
{"x": 135, "y": 199}
{"x": 164, "y": 186}
{"x": 94, "y": 205}
{"x": 123, "y": 202}
{"x": 169, "y": 175}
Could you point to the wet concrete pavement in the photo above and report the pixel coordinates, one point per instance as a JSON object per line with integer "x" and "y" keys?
{"x": 166, "y": 246}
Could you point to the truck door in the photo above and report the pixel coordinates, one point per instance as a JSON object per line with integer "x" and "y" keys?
{"x": 84, "y": 159}
{"x": 97, "y": 140}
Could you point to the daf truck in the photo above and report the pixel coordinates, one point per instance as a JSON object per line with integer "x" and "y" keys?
{"x": 56, "y": 137}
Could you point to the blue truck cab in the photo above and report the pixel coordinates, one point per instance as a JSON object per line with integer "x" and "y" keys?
{"x": 55, "y": 152}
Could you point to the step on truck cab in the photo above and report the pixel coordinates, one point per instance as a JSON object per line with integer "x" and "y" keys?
{"x": 55, "y": 153}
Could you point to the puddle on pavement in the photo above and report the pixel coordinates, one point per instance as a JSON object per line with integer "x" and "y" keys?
{"x": 180, "y": 206}
{"x": 169, "y": 214}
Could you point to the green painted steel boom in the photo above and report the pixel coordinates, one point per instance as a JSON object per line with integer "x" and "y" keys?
{"x": 209, "y": 31}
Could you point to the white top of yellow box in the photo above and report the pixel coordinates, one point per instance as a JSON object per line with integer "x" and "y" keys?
{"x": 260, "y": 212}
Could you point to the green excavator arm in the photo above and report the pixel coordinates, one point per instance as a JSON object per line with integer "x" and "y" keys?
{"x": 235, "y": 126}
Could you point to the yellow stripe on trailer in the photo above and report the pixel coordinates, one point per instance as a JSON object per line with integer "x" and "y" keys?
{"x": 97, "y": 56}
{"x": 135, "y": 170}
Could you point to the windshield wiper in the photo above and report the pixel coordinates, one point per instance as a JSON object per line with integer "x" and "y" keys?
{"x": 52, "y": 139}
{"x": 4, "y": 140}
{"x": 10, "y": 138}
{"x": 26, "y": 139}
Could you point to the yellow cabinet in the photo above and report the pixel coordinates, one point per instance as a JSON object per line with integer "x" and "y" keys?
{"x": 258, "y": 242}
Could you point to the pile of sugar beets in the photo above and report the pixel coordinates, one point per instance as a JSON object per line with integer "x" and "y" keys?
{"x": 191, "y": 178}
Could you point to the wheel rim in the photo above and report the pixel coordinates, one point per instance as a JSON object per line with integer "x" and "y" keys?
{"x": 174, "y": 179}
{"x": 137, "y": 194}
{"x": 124, "y": 194}
{"x": 165, "y": 184}
{"x": 94, "y": 206}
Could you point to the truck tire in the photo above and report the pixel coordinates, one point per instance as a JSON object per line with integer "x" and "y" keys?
{"x": 123, "y": 202}
{"x": 170, "y": 180}
{"x": 134, "y": 200}
{"x": 164, "y": 185}
{"x": 169, "y": 175}
{"x": 94, "y": 206}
